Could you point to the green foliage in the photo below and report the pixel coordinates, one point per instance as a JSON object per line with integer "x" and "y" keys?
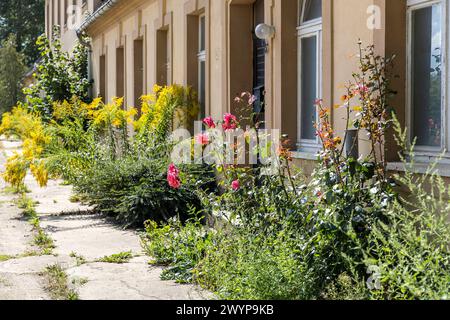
{"x": 412, "y": 252}
{"x": 177, "y": 246}
{"x": 71, "y": 150}
{"x": 346, "y": 288}
{"x": 247, "y": 266}
{"x": 119, "y": 258}
{"x": 276, "y": 235}
{"x": 12, "y": 68}
{"x": 134, "y": 189}
{"x": 61, "y": 75}
{"x": 344, "y": 234}
{"x": 411, "y": 246}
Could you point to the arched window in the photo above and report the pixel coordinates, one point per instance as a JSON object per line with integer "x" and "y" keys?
{"x": 309, "y": 32}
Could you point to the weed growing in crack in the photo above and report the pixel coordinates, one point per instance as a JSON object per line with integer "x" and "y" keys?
{"x": 5, "y": 257}
{"x": 80, "y": 281}
{"x": 28, "y": 206}
{"x": 80, "y": 259}
{"x": 41, "y": 238}
{"x": 57, "y": 284}
{"x": 44, "y": 242}
{"x": 75, "y": 198}
{"x": 119, "y": 258}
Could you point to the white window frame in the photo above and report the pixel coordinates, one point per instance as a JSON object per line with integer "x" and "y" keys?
{"x": 201, "y": 56}
{"x": 311, "y": 28}
{"x": 427, "y": 153}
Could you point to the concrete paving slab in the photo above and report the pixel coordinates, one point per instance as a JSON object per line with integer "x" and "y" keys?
{"x": 35, "y": 264}
{"x": 15, "y": 232}
{"x": 131, "y": 281}
{"x": 22, "y": 287}
{"x": 90, "y": 236}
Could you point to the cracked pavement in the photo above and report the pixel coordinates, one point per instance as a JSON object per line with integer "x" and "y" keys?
{"x": 76, "y": 230}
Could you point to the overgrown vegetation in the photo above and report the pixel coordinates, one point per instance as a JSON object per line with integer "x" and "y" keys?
{"x": 178, "y": 247}
{"x": 345, "y": 233}
{"x": 88, "y": 143}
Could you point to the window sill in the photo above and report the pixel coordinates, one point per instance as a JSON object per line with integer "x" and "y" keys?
{"x": 302, "y": 155}
{"x": 421, "y": 168}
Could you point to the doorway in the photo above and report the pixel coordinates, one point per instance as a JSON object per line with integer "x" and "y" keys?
{"x": 259, "y": 64}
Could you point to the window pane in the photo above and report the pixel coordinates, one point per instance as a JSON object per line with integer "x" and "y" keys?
{"x": 202, "y": 33}
{"x": 308, "y": 86}
{"x": 313, "y": 10}
{"x": 202, "y": 84}
{"x": 427, "y": 75}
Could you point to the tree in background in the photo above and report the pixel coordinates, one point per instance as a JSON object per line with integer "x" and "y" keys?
{"x": 12, "y": 68}
{"x": 26, "y": 20}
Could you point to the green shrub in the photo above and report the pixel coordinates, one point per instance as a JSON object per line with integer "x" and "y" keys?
{"x": 246, "y": 266}
{"x": 412, "y": 252}
{"x": 135, "y": 190}
{"x": 411, "y": 248}
{"x": 177, "y": 246}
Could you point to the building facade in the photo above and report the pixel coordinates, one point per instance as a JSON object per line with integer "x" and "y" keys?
{"x": 211, "y": 46}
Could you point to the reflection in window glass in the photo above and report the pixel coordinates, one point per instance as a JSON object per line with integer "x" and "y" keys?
{"x": 202, "y": 88}
{"x": 313, "y": 10}
{"x": 202, "y": 33}
{"x": 308, "y": 86}
{"x": 202, "y": 65}
{"x": 427, "y": 75}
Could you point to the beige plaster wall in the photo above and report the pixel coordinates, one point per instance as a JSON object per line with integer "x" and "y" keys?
{"x": 57, "y": 9}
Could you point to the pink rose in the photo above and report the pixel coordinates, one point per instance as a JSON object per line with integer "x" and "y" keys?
{"x": 209, "y": 122}
{"x": 202, "y": 139}
{"x": 236, "y": 185}
{"x": 229, "y": 122}
{"x": 173, "y": 177}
